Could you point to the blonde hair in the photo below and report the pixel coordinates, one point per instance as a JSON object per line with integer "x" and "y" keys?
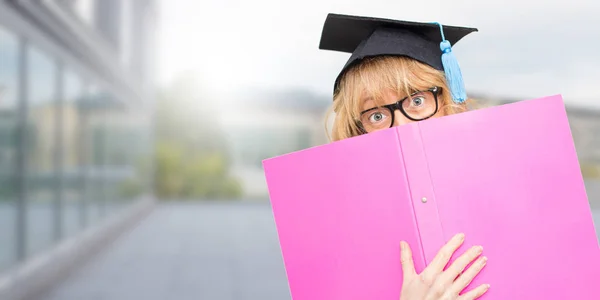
{"x": 376, "y": 76}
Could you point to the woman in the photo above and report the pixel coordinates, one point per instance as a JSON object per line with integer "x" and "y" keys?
{"x": 401, "y": 72}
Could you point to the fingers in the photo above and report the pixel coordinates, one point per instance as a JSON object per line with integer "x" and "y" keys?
{"x": 475, "y": 293}
{"x": 463, "y": 261}
{"x": 406, "y": 259}
{"x": 443, "y": 256}
{"x": 465, "y": 279}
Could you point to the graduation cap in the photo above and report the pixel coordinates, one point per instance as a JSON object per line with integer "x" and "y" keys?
{"x": 429, "y": 43}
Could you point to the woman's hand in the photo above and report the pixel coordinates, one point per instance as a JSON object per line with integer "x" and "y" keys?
{"x": 434, "y": 283}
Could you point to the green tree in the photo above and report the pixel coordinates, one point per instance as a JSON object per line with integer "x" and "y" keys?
{"x": 191, "y": 155}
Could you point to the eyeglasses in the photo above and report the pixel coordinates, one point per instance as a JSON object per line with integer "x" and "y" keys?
{"x": 418, "y": 106}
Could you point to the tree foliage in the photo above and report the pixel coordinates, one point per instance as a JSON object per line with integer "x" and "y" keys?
{"x": 191, "y": 154}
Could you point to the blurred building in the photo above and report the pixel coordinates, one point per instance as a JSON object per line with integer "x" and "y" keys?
{"x": 267, "y": 123}
{"x": 76, "y": 101}
{"x": 585, "y": 128}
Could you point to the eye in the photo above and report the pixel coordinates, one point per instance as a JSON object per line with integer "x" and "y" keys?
{"x": 377, "y": 117}
{"x": 418, "y": 101}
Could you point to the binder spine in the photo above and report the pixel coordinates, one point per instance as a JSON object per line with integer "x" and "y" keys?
{"x": 423, "y": 198}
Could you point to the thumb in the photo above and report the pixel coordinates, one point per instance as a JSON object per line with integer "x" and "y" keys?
{"x": 406, "y": 259}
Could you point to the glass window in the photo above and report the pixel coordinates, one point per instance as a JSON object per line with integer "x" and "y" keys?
{"x": 127, "y": 155}
{"x": 72, "y": 160}
{"x": 93, "y": 153}
{"x": 9, "y": 74}
{"x": 40, "y": 150}
{"x": 143, "y": 157}
{"x": 114, "y": 155}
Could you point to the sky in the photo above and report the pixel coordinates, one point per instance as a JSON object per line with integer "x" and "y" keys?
{"x": 524, "y": 48}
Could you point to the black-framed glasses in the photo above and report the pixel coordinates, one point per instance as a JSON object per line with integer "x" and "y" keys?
{"x": 418, "y": 106}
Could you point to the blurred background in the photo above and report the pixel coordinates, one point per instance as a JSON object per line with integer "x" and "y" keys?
{"x": 132, "y": 132}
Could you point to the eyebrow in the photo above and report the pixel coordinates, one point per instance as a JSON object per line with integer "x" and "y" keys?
{"x": 368, "y": 99}
{"x": 365, "y": 103}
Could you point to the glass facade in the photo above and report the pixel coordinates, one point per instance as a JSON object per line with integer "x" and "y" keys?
{"x": 40, "y": 148}
{"x": 74, "y": 147}
{"x": 93, "y": 153}
{"x": 126, "y": 155}
{"x": 9, "y": 95}
{"x": 72, "y": 183}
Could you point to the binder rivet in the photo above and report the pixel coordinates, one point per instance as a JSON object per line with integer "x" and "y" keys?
{"x": 424, "y": 200}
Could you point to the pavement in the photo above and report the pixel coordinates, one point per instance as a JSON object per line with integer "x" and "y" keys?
{"x": 183, "y": 251}
{"x": 187, "y": 251}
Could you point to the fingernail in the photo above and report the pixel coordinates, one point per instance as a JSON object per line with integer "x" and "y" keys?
{"x": 487, "y": 286}
{"x": 484, "y": 260}
{"x": 479, "y": 249}
{"x": 460, "y": 236}
{"x": 402, "y": 245}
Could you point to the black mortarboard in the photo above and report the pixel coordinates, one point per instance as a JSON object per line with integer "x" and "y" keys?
{"x": 368, "y": 37}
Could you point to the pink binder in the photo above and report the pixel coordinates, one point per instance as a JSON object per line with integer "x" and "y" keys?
{"x": 507, "y": 176}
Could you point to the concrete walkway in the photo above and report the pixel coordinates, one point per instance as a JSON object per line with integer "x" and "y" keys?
{"x": 189, "y": 251}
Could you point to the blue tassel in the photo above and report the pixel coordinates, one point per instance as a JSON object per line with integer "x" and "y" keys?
{"x": 452, "y": 71}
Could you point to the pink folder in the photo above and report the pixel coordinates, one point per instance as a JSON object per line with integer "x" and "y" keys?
{"x": 507, "y": 176}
